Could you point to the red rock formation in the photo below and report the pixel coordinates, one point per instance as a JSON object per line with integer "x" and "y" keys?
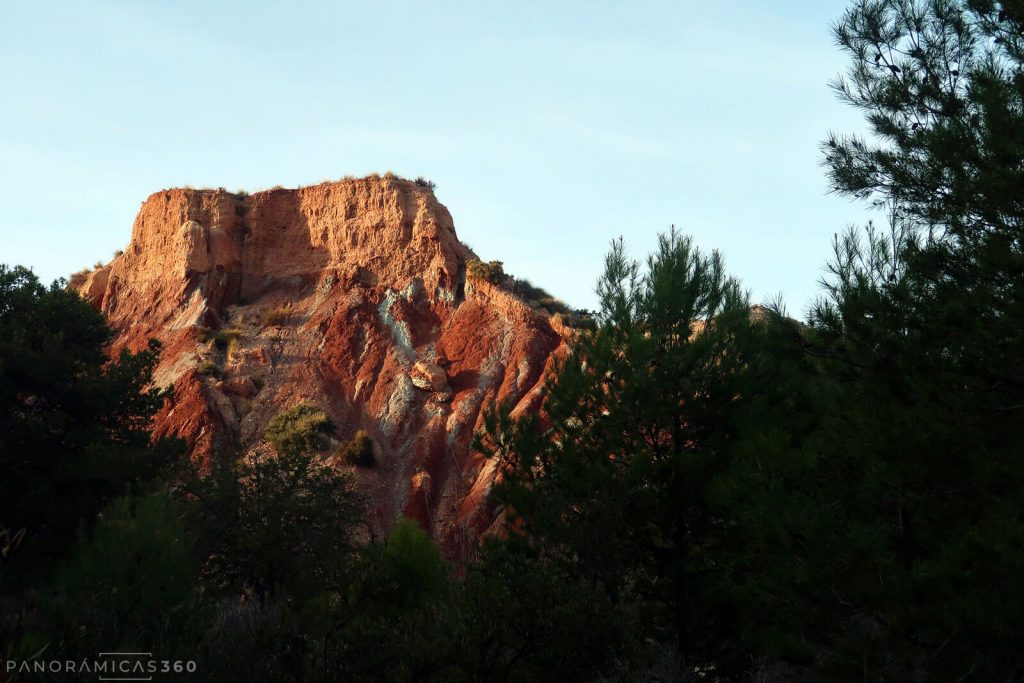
{"x": 350, "y": 295}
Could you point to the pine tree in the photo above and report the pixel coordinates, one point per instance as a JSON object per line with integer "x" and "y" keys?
{"x": 616, "y": 479}
{"x": 920, "y": 329}
{"x": 942, "y": 88}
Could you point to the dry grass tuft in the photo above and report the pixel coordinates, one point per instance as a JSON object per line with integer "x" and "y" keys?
{"x": 274, "y": 317}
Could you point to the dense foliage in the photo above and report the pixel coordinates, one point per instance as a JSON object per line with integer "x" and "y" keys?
{"x": 273, "y": 523}
{"x": 488, "y": 271}
{"x": 359, "y": 450}
{"x": 921, "y": 330}
{"x": 131, "y": 586}
{"x": 74, "y": 426}
{"x": 843, "y": 496}
{"x": 299, "y": 429}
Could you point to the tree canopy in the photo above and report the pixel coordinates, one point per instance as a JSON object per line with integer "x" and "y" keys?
{"x": 74, "y": 425}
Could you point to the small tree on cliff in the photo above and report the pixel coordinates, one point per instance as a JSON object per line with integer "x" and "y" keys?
{"x": 488, "y": 271}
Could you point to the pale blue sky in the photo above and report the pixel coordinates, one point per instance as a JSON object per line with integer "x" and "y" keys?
{"x": 549, "y": 127}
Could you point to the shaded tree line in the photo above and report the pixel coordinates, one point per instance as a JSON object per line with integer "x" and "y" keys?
{"x": 839, "y": 497}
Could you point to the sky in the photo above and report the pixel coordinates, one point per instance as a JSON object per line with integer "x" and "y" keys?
{"x": 549, "y": 127}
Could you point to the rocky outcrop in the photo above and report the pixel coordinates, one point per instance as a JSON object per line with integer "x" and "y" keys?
{"x": 430, "y": 377}
{"x": 349, "y": 295}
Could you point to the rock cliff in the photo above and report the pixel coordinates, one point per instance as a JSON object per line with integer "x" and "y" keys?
{"x": 349, "y": 295}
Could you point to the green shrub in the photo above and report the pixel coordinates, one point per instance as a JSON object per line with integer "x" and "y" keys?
{"x": 408, "y": 567}
{"x": 141, "y": 546}
{"x": 492, "y": 271}
{"x": 274, "y": 317}
{"x": 427, "y": 184}
{"x": 300, "y": 429}
{"x": 358, "y": 451}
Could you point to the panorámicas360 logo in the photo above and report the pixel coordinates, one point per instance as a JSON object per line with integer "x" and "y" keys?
{"x": 107, "y": 666}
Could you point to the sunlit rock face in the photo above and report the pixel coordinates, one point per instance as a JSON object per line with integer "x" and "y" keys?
{"x": 350, "y": 295}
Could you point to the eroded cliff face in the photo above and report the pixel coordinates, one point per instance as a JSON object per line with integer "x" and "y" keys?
{"x": 350, "y": 295}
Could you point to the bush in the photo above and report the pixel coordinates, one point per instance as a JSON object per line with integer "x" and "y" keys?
{"x": 526, "y": 290}
{"x": 492, "y": 271}
{"x": 424, "y": 183}
{"x": 300, "y": 429}
{"x": 274, "y": 317}
{"x": 408, "y": 567}
{"x": 226, "y": 340}
{"x": 208, "y": 368}
{"x": 358, "y": 451}
{"x": 141, "y": 546}
{"x": 232, "y": 350}
{"x": 78, "y": 279}
{"x": 579, "y": 320}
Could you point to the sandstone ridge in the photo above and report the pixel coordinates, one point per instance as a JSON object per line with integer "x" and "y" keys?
{"x": 351, "y": 295}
